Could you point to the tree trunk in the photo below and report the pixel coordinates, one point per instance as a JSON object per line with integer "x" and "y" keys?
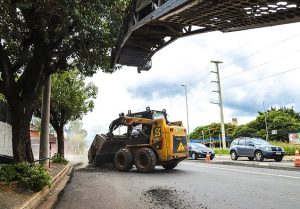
{"x": 21, "y": 134}
{"x": 60, "y": 141}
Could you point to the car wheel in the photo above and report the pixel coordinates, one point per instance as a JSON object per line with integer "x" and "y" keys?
{"x": 194, "y": 156}
{"x": 251, "y": 158}
{"x": 278, "y": 159}
{"x": 233, "y": 155}
{"x": 259, "y": 156}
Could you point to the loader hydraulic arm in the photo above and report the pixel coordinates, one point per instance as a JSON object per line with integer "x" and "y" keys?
{"x": 127, "y": 121}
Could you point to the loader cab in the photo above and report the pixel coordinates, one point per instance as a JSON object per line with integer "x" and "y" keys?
{"x": 140, "y": 134}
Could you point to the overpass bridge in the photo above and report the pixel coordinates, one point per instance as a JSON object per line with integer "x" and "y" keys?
{"x": 151, "y": 25}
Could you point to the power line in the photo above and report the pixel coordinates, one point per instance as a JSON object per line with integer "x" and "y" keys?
{"x": 196, "y": 81}
{"x": 269, "y": 76}
{"x": 259, "y": 65}
{"x": 259, "y": 51}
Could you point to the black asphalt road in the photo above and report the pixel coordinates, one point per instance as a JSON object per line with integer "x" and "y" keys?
{"x": 192, "y": 185}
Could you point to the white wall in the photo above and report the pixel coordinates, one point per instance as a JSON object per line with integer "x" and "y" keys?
{"x": 5, "y": 139}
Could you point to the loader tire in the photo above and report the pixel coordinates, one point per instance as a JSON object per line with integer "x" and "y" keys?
{"x": 145, "y": 160}
{"x": 123, "y": 160}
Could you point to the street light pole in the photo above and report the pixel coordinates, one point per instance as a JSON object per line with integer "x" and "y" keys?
{"x": 187, "y": 110}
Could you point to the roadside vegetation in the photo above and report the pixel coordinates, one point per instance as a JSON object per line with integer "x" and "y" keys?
{"x": 43, "y": 38}
{"x": 28, "y": 176}
{"x": 58, "y": 158}
{"x": 288, "y": 148}
{"x": 284, "y": 120}
{"x": 220, "y": 151}
{"x": 70, "y": 99}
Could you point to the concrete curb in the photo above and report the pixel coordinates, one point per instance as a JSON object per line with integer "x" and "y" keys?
{"x": 37, "y": 198}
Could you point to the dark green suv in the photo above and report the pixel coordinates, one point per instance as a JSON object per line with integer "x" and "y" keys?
{"x": 255, "y": 148}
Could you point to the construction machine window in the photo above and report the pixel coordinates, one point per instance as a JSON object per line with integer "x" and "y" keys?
{"x": 136, "y": 129}
{"x": 158, "y": 115}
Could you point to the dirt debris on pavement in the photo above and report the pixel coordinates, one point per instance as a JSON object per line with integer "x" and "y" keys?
{"x": 107, "y": 167}
{"x": 169, "y": 197}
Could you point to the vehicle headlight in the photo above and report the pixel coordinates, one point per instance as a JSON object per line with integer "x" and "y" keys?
{"x": 267, "y": 148}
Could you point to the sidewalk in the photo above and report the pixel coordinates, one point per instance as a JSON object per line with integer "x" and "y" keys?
{"x": 13, "y": 197}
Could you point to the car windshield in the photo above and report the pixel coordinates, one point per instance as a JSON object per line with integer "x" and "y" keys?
{"x": 257, "y": 141}
{"x": 197, "y": 145}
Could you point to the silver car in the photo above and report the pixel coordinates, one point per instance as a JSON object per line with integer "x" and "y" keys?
{"x": 255, "y": 148}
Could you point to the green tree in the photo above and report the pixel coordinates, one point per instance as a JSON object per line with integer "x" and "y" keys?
{"x": 39, "y": 38}
{"x": 70, "y": 100}
{"x": 244, "y": 130}
{"x": 284, "y": 120}
{"x": 212, "y": 130}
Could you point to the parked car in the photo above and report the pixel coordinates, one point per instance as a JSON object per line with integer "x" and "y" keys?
{"x": 198, "y": 150}
{"x": 255, "y": 148}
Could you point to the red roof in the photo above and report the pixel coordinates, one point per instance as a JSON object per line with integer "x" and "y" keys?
{"x": 34, "y": 134}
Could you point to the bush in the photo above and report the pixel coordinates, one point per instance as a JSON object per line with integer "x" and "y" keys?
{"x": 220, "y": 151}
{"x": 58, "y": 158}
{"x": 8, "y": 173}
{"x": 33, "y": 177}
{"x": 288, "y": 148}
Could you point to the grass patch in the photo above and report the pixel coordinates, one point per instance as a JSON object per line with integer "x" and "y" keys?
{"x": 220, "y": 151}
{"x": 288, "y": 148}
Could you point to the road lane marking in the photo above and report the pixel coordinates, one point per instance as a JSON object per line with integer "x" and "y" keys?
{"x": 242, "y": 171}
{"x": 263, "y": 164}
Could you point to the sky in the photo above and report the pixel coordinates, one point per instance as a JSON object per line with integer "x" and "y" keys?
{"x": 260, "y": 68}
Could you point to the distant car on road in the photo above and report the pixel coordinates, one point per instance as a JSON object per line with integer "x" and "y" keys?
{"x": 255, "y": 148}
{"x": 198, "y": 150}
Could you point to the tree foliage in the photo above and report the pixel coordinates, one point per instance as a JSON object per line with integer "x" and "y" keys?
{"x": 41, "y": 37}
{"x": 211, "y": 131}
{"x": 70, "y": 100}
{"x": 284, "y": 120}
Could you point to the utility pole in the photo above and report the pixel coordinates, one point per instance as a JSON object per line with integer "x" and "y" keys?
{"x": 220, "y": 101}
{"x": 45, "y": 119}
{"x": 187, "y": 110}
{"x": 267, "y": 136}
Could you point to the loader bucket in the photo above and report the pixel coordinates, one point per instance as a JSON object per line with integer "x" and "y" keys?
{"x": 103, "y": 149}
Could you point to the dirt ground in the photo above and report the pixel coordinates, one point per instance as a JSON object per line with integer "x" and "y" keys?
{"x": 13, "y": 196}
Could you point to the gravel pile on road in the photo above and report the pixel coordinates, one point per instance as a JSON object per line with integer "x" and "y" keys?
{"x": 164, "y": 198}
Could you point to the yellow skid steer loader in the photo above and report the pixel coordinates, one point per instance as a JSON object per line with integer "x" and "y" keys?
{"x": 150, "y": 140}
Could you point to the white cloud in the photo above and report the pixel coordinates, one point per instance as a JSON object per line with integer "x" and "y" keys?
{"x": 260, "y": 53}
